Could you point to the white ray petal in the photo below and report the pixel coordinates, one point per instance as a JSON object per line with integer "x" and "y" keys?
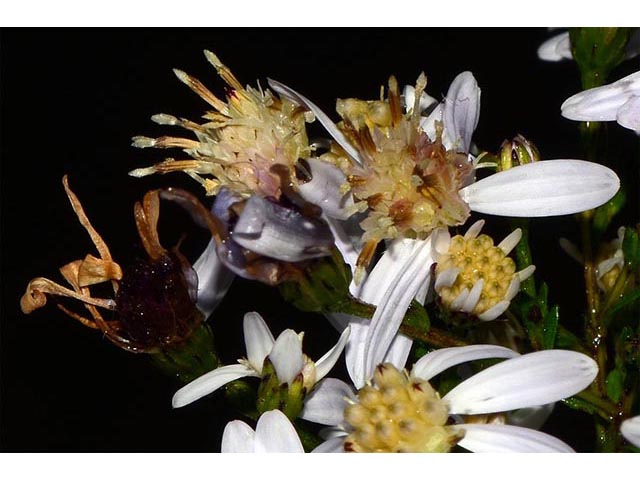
{"x": 474, "y": 230}
{"x": 556, "y": 48}
{"x": 630, "y": 430}
{"x": 258, "y": 339}
{"x": 629, "y": 114}
{"x": 458, "y": 302}
{"x": 446, "y": 278}
{"x": 513, "y": 288}
{"x": 409, "y": 96}
{"x": 461, "y": 111}
{"x": 525, "y": 381}
{"x": 526, "y": 272}
{"x": 329, "y": 359}
{"x": 510, "y": 241}
{"x": 210, "y": 382}
{"x": 276, "y": 434}
{"x": 391, "y": 309}
{"x": 474, "y": 295}
{"x": 286, "y": 356}
{"x": 494, "y": 438}
{"x": 326, "y": 122}
{"x": 333, "y": 445}
{"x": 541, "y": 189}
{"x": 495, "y": 311}
{"x": 438, "y": 361}
{"x": 238, "y": 437}
{"x": 571, "y": 250}
{"x": 214, "y": 279}
{"x": 601, "y": 103}
{"x": 324, "y": 191}
{"x": 327, "y": 401}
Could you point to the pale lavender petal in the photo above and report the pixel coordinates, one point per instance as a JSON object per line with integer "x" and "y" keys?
{"x": 326, "y": 122}
{"x": 329, "y": 359}
{"x": 461, "y": 111}
{"x": 324, "y": 189}
{"x": 601, "y": 103}
{"x": 630, "y": 430}
{"x": 397, "y": 298}
{"x": 494, "y": 438}
{"x": 258, "y": 339}
{"x": 327, "y": 401}
{"x": 276, "y": 434}
{"x": 272, "y": 230}
{"x": 556, "y": 48}
{"x": 333, "y": 445}
{"x": 214, "y": 279}
{"x": 238, "y": 437}
{"x": 438, "y": 361}
{"x": 629, "y": 114}
{"x": 286, "y": 356}
{"x": 210, "y": 382}
{"x": 525, "y": 381}
{"x": 541, "y": 189}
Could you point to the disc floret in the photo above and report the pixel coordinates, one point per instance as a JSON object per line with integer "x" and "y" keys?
{"x": 398, "y": 413}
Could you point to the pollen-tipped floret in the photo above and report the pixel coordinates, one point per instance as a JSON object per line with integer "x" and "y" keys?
{"x": 241, "y": 141}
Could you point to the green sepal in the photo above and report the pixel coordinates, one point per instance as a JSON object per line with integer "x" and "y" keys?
{"x": 190, "y": 359}
{"x": 597, "y": 51}
{"x": 321, "y": 287}
{"x": 273, "y": 395}
{"x": 605, "y": 213}
{"x": 242, "y": 396}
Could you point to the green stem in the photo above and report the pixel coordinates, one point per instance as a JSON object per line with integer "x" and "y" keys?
{"x": 435, "y": 336}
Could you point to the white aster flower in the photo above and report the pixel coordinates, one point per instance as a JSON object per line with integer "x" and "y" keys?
{"x": 476, "y": 277}
{"x": 619, "y": 101}
{"x": 400, "y": 411}
{"x": 538, "y": 189}
{"x": 630, "y": 430}
{"x": 285, "y": 353}
{"x": 274, "y": 433}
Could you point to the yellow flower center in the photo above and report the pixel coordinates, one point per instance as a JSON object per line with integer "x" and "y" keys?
{"x": 398, "y": 413}
{"x": 477, "y": 258}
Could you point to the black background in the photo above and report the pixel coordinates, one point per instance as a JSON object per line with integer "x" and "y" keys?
{"x": 71, "y": 101}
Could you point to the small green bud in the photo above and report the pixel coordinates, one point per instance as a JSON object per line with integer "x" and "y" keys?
{"x": 518, "y": 151}
{"x": 273, "y": 395}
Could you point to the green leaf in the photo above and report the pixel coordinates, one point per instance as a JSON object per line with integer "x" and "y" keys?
{"x": 615, "y": 384}
{"x": 597, "y": 51}
{"x": 628, "y": 300}
{"x": 550, "y": 329}
{"x": 631, "y": 248}
{"x": 605, "y": 213}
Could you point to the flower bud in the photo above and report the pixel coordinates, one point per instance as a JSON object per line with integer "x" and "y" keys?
{"x": 518, "y": 151}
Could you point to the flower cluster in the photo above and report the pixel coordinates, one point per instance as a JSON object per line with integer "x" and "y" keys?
{"x": 365, "y": 232}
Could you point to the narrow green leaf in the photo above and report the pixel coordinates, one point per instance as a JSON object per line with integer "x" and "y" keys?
{"x": 631, "y": 248}
{"x": 550, "y": 329}
{"x": 628, "y": 300}
{"x": 615, "y": 384}
{"x": 605, "y": 213}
